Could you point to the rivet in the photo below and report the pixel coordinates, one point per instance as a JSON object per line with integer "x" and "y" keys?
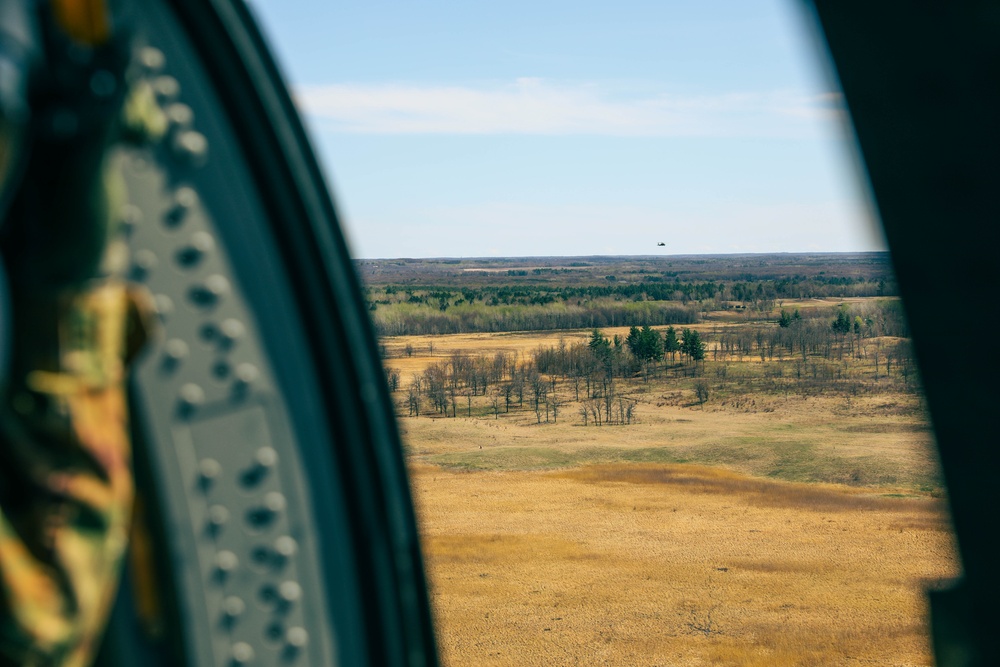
{"x": 242, "y": 653}
{"x": 175, "y": 350}
{"x": 208, "y": 294}
{"x": 191, "y": 146}
{"x": 191, "y": 396}
{"x": 266, "y": 457}
{"x": 186, "y": 196}
{"x": 164, "y": 305}
{"x": 166, "y": 87}
{"x": 226, "y": 562}
{"x": 184, "y": 199}
{"x": 218, "y": 515}
{"x": 246, "y": 374}
{"x": 151, "y": 59}
{"x": 274, "y": 502}
{"x": 285, "y": 546}
{"x": 201, "y": 244}
{"x": 179, "y": 115}
{"x": 131, "y": 217}
{"x": 232, "y": 330}
{"x": 233, "y": 607}
{"x": 209, "y": 470}
{"x": 289, "y": 591}
{"x": 143, "y": 262}
{"x": 217, "y": 285}
{"x": 297, "y": 638}
{"x": 264, "y": 460}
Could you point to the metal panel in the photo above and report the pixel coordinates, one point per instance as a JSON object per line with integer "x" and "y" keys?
{"x": 267, "y": 446}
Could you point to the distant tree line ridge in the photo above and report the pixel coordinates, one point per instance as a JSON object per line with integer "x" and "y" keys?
{"x": 421, "y": 319}
{"x": 652, "y": 288}
{"x": 803, "y": 270}
{"x": 412, "y": 310}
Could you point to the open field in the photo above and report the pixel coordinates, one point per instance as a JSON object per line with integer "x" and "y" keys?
{"x": 559, "y": 544}
{"x": 648, "y": 564}
{"x": 776, "y": 503}
{"x": 882, "y": 443}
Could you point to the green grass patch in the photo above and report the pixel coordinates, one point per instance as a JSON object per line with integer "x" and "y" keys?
{"x": 793, "y": 462}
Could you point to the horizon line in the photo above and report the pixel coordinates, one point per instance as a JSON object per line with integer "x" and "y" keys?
{"x": 804, "y": 253}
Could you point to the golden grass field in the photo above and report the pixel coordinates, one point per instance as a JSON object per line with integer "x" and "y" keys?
{"x": 783, "y": 530}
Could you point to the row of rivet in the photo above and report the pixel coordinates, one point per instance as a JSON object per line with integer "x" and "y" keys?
{"x": 281, "y": 597}
{"x": 191, "y": 147}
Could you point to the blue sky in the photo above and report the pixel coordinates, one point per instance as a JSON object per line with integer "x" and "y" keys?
{"x": 573, "y": 128}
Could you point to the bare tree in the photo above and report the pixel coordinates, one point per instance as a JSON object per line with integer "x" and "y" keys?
{"x": 701, "y": 391}
{"x": 392, "y": 379}
{"x": 495, "y": 397}
{"x": 508, "y": 390}
{"x": 413, "y": 397}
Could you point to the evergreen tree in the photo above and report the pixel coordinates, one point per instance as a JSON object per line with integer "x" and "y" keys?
{"x": 693, "y": 345}
{"x": 670, "y": 343}
{"x": 652, "y": 343}
{"x": 785, "y": 320}
{"x": 600, "y": 346}
{"x": 645, "y": 344}
{"x": 634, "y": 342}
{"x": 842, "y": 324}
{"x": 597, "y": 341}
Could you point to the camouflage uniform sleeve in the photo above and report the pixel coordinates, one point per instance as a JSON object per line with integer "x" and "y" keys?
{"x": 66, "y": 489}
{"x": 66, "y": 486}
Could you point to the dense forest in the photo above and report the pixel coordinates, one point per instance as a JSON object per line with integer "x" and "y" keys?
{"x": 568, "y": 297}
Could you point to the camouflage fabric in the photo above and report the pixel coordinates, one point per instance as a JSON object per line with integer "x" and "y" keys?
{"x": 66, "y": 487}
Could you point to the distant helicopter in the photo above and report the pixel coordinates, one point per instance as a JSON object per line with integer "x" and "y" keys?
{"x": 661, "y": 243}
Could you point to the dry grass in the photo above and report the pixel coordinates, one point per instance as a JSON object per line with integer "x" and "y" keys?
{"x": 776, "y": 530}
{"x": 675, "y": 565}
{"x": 881, "y": 443}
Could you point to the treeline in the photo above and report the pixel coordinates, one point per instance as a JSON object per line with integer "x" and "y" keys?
{"x": 753, "y": 293}
{"x": 450, "y": 388}
{"x": 873, "y": 337}
{"x": 848, "y": 350}
{"x": 602, "y": 358}
{"x": 416, "y": 319}
{"x": 846, "y": 333}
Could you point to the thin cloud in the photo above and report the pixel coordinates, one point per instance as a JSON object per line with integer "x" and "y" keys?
{"x": 539, "y": 107}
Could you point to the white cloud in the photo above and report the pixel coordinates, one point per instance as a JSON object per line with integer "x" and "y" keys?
{"x": 536, "y": 106}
